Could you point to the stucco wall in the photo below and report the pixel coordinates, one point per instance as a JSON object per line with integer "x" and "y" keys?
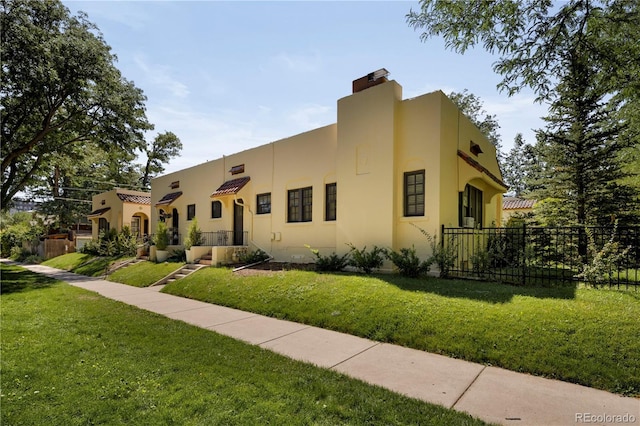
{"x": 378, "y": 137}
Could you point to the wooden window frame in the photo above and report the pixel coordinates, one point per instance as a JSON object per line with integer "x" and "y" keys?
{"x": 331, "y": 201}
{"x": 191, "y": 211}
{"x": 216, "y": 209}
{"x": 300, "y": 205}
{"x": 414, "y": 193}
{"x": 263, "y": 203}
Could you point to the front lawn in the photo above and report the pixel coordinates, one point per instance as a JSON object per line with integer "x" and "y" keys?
{"x": 585, "y": 336}
{"x": 71, "y": 357}
{"x": 143, "y": 274}
{"x": 83, "y": 264}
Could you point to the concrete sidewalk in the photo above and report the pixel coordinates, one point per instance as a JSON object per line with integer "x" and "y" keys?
{"x": 491, "y": 394}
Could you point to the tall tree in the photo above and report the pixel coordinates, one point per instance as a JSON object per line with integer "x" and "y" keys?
{"x": 516, "y": 166}
{"x": 473, "y": 107}
{"x": 575, "y": 56}
{"x": 581, "y": 148}
{"x": 59, "y": 91}
{"x": 164, "y": 147}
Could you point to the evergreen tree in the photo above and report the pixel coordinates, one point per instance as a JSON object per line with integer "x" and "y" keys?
{"x": 580, "y": 150}
{"x": 515, "y": 167}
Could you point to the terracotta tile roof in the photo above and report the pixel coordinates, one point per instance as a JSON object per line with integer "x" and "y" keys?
{"x": 231, "y": 187}
{"x": 133, "y": 198}
{"x": 169, "y": 198}
{"x": 514, "y": 203}
{"x": 473, "y": 163}
{"x": 99, "y": 212}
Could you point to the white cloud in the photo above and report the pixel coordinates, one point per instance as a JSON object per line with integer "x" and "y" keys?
{"x": 298, "y": 63}
{"x": 311, "y": 116}
{"x": 160, "y": 76}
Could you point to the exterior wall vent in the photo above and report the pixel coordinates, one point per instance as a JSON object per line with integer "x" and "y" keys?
{"x": 370, "y": 80}
{"x": 236, "y": 170}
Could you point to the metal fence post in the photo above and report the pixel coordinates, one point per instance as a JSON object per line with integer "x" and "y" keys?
{"x": 524, "y": 254}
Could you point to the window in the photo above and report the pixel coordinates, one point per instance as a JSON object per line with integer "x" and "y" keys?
{"x": 470, "y": 206}
{"x": 216, "y": 209}
{"x": 135, "y": 226}
{"x": 175, "y": 184}
{"x": 331, "y": 201}
{"x": 191, "y": 211}
{"x": 414, "y": 193}
{"x": 103, "y": 225}
{"x": 264, "y": 203}
{"x": 299, "y": 204}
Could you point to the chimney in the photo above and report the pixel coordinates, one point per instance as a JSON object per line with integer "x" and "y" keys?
{"x": 370, "y": 80}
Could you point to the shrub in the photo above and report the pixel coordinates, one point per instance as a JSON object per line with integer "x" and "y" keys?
{"x": 248, "y": 257}
{"x": 366, "y": 261}
{"x": 194, "y": 238}
{"x": 443, "y": 253}
{"x": 177, "y": 255}
{"x": 408, "y": 263}
{"x": 18, "y": 228}
{"x": 161, "y": 239}
{"x": 112, "y": 244}
{"x": 331, "y": 263}
{"x": 598, "y": 270}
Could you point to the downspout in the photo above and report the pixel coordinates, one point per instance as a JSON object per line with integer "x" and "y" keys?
{"x": 237, "y": 202}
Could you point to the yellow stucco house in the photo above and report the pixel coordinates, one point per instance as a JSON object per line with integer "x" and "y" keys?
{"x": 118, "y": 208}
{"x": 387, "y": 164}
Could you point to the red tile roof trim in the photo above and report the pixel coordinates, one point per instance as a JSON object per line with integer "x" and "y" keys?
{"x": 169, "y": 198}
{"x": 99, "y": 212}
{"x": 513, "y": 203}
{"x": 231, "y": 187}
{"x": 473, "y": 163}
{"x": 137, "y": 199}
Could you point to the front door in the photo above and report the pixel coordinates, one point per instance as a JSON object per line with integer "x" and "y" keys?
{"x": 175, "y": 235}
{"x": 238, "y": 230}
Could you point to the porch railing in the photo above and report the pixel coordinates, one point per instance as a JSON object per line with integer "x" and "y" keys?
{"x": 215, "y": 238}
{"x": 225, "y": 238}
{"x": 542, "y": 255}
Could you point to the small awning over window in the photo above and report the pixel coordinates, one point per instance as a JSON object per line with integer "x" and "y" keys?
{"x": 168, "y": 199}
{"x": 98, "y": 213}
{"x": 231, "y": 187}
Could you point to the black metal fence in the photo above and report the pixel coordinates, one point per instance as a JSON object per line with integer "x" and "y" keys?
{"x": 216, "y": 238}
{"x": 225, "y": 238}
{"x": 547, "y": 256}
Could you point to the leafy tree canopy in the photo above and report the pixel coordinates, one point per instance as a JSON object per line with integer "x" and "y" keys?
{"x": 163, "y": 147}
{"x": 473, "y": 107}
{"x": 531, "y": 37}
{"x": 61, "y": 94}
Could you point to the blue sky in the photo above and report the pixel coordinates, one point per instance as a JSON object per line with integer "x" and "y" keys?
{"x": 228, "y": 76}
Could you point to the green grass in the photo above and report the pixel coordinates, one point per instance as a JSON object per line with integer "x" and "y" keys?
{"x": 144, "y": 274}
{"x": 71, "y": 357}
{"x": 585, "y": 336}
{"x": 81, "y": 263}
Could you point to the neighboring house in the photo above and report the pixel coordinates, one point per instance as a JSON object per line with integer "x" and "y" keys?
{"x": 516, "y": 206}
{"x": 118, "y": 208}
{"x": 386, "y": 165}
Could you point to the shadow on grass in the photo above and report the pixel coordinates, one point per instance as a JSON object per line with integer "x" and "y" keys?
{"x": 476, "y": 290}
{"x": 16, "y": 279}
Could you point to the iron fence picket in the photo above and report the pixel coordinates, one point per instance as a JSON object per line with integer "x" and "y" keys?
{"x": 541, "y": 255}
